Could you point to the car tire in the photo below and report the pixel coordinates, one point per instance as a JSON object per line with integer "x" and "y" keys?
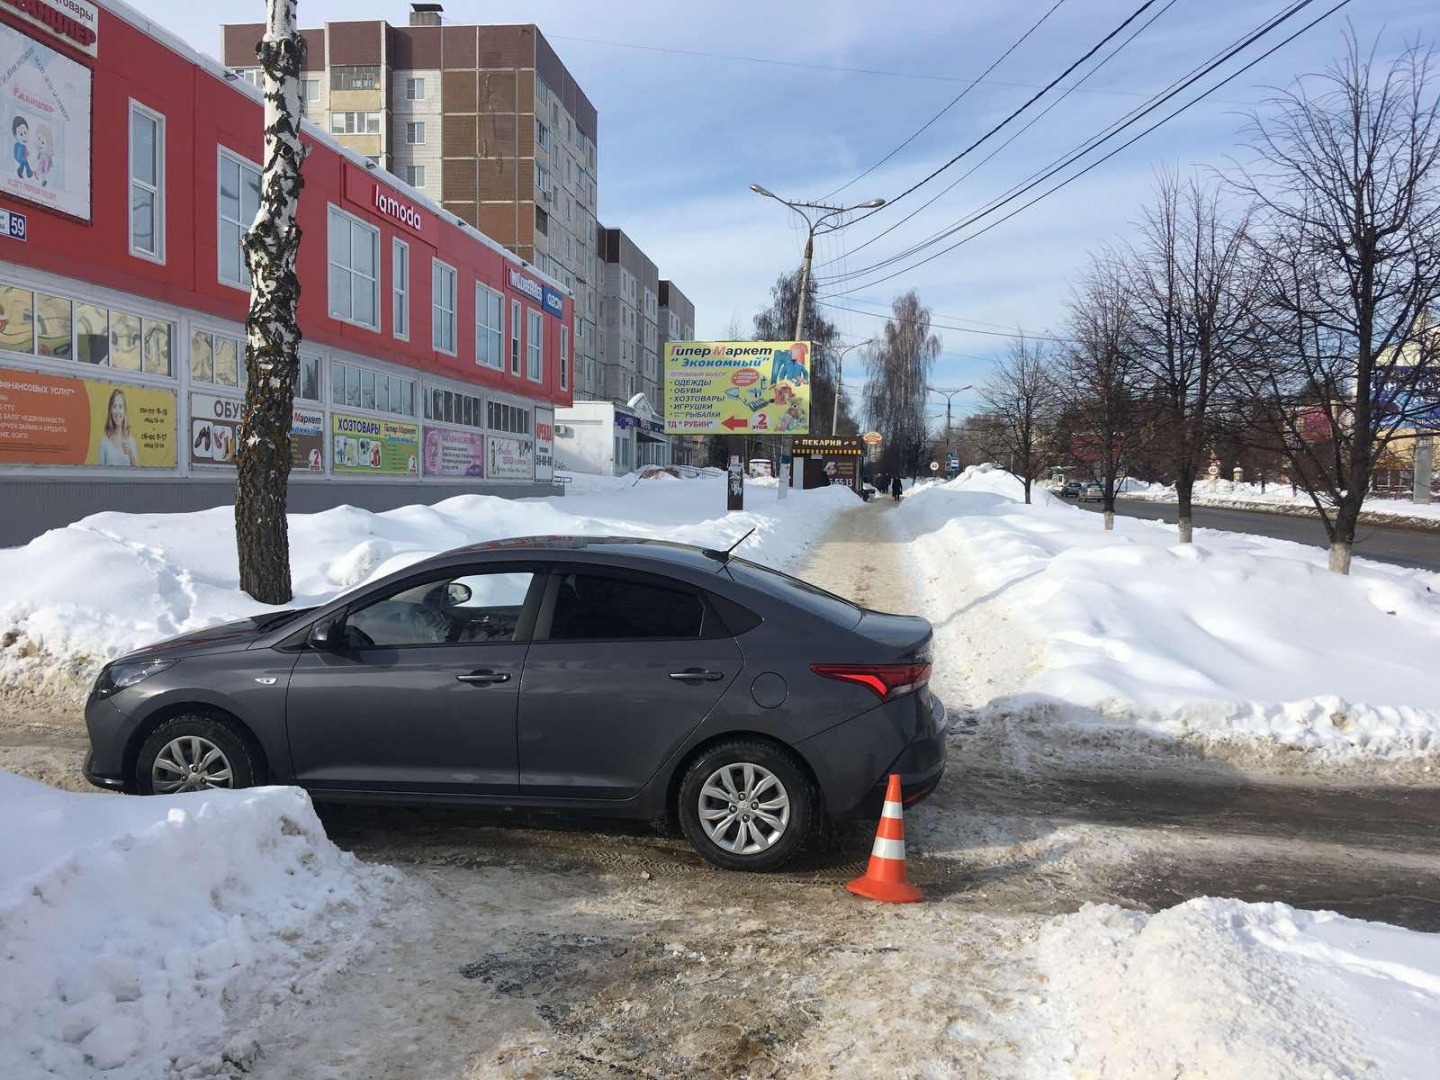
{"x": 197, "y": 739}
{"x": 751, "y": 841}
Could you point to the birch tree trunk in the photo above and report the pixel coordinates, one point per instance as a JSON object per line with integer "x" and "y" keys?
{"x": 271, "y": 331}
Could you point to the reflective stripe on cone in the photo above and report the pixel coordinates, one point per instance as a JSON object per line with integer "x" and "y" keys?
{"x": 885, "y": 878}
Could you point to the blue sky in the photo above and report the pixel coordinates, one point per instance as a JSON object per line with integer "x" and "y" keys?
{"x": 682, "y": 135}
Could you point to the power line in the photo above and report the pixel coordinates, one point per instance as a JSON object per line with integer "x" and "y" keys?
{"x": 890, "y": 317}
{"x": 1078, "y": 84}
{"x": 953, "y": 101}
{"x": 1092, "y": 144}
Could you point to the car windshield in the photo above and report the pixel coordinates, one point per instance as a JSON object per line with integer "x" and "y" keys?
{"x": 802, "y": 594}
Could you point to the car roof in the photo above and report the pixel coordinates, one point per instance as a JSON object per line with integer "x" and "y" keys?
{"x": 666, "y": 551}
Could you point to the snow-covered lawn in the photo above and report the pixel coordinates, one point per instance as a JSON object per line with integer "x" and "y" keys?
{"x": 1233, "y": 639}
{"x": 139, "y": 936}
{"x": 1247, "y": 496}
{"x": 1220, "y": 989}
{"x": 78, "y": 596}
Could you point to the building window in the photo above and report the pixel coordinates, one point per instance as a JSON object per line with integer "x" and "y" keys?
{"x": 442, "y": 319}
{"x": 310, "y": 90}
{"x": 239, "y": 202}
{"x": 542, "y": 178}
{"x": 564, "y": 358}
{"x": 363, "y": 388}
{"x": 514, "y": 337}
{"x": 42, "y": 324}
{"x": 400, "y": 289}
{"x": 415, "y": 89}
{"x": 415, "y": 132}
{"x": 507, "y": 418}
{"x": 355, "y": 77}
{"x": 354, "y": 271}
{"x": 489, "y": 331}
{"x": 415, "y": 175}
{"x": 147, "y": 183}
{"x": 542, "y": 135}
{"x": 355, "y": 123}
{"x": 535, "y": 352}
{"x": 542, "y": 222}
{"x": 448, "y": 407}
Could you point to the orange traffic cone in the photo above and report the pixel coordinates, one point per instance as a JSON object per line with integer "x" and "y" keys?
{"x": 884, "y": 878}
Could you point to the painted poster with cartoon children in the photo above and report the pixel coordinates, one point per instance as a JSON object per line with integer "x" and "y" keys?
{"x": 45, "y": 110}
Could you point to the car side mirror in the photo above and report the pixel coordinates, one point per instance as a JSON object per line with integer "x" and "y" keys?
{"x": 326, "y": 635}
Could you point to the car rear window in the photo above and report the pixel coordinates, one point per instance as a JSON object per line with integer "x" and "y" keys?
{"x": 811, "y": 598}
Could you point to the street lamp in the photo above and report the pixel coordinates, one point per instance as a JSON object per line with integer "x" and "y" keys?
{"x": 840, "y": 379}
{"x": 948, "y": 395}
{"x": 816, "y": 217}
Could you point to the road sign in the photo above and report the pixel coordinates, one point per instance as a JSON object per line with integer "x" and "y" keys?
{"x": 872, "y": 438}
{"x": 934, "y": 466}
{"x": 737, "y": 387}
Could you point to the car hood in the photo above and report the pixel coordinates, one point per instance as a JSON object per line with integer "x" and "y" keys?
{"x": 218, "y": 638}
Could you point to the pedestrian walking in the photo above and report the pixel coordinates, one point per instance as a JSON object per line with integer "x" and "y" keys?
{"x": 896, "y": 487}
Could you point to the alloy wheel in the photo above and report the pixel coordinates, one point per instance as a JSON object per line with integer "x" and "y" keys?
{"x": 744, "y": 808}
{"x": 190, "y": 763}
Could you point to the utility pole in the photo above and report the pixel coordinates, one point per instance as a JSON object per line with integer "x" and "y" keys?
{"x": 949, "y": 396}
{"x": 816, "y": 216}
{"x": 840, "y": 380}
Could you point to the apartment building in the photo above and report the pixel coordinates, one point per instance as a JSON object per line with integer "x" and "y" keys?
{"x": 629, "y": 320}
{"x": 485, "y": 120}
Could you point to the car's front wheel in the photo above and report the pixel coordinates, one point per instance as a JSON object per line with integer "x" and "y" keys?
{"x": 195, "y": 752}
{"x": 746, "y": 805}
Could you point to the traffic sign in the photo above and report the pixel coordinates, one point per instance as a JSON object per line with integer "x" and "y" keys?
{"x": 934, "y": 466}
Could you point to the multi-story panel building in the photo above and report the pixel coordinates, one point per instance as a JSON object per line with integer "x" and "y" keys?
{"x": 629, "y": 310}
{"x": 485, "y": 120}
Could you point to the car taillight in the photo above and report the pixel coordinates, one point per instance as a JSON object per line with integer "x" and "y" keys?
{"x": 886, "y": 681}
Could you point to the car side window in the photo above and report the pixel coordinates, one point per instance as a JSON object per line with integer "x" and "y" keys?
{"x": 465, "y": 608}
{"x": 595, "y": 607}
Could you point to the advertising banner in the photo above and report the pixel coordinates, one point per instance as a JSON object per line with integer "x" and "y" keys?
{"x": 55, "y": 420}
{"x": 215, "y": 428}
{"x": 45, "y": 113}
{"x": 737, "y": 387}
{"x": 544, "y": 444}
{"x": 829, "y": 459}
{"x": 454, "y": 453}
{"x": 375, "y": 447}
{"x": 508, "y": 459}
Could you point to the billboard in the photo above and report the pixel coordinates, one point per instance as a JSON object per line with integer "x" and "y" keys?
{"x": 215, "y": 428}
{"x": 454, "y": 453}
{"x": 375, "y": 447}
{"x": 737, "y": 387}
{"x": 508, "y": 459}
{"x": 544, "y": 444}
{"x": 45, "y": 121}
{"x": 56, "y": 420}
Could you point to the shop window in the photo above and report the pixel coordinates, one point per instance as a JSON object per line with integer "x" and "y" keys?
{"x": 564, "y": 358}
{"x": 92, "y": 334}
{"x": 449, "y": 407}
{"x": 364, "y": 388}
{"x": 239, "y": 201}
{"x": 535, "y": 351}
{"x": 42, "y": 324}
{"x": 508, "y": 418}
{"x": 354, "y": 284}
{"x": 217, "y": 360}
{"x": 156, "y": 360}
{"x": 147, "y": 183}
{"x": 53, "y": 324}
{"x": 400, "y": 284}
{"x": 125, "y": 340}
{"x": 442, "y": 319}
{"x": 489, "y": 329}
{"x": 514, "y": 337}
{"x": 17, "y": 319}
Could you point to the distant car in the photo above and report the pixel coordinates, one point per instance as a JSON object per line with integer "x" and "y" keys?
{"x": 1071, "y": 489}
{"x": 867, "y": 491}
{"x": 1092, "y": 492}
{"x": 626, "y": 678}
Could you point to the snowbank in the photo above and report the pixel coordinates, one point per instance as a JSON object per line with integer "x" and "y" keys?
{"x": 1223, "y": 989}
{"x": 137, "y": 935}
{"x": 78, "y": 596}
{"x": 1230, "y": 639}
{"x": 1281, "y": 499}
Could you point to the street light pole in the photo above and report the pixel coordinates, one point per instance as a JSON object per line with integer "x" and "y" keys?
{"x": 840, "y": 380}
{"x": 948, "y": 395}
{"x": 816, "y": 216}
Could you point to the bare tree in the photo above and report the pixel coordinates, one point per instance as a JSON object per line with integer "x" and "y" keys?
{"x": 1192, "y": 303}
{"x": 1021, "y": 394}
{"x": 272, "y": 334}
{"x": 1098, "y": 376}
{"x": 895, "y": 397}
{"x": 1349, "y": 189}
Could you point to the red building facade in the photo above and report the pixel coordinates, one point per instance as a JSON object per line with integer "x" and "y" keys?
{"x": 431, "y": 354}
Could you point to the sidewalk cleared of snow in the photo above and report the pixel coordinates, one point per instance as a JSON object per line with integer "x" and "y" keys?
{"x": 1232, "y": 991}
{"x": 1237, "y": 640}
{"x": 78, "y": 596}
{"x": 137, "y": 932}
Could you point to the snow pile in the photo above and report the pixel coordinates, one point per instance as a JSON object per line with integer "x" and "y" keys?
{"x": 1223, "y": 989}
{"x": 78, "y": 596}
{"x": 1280, "y": 498}
{"x": 139, "y": 935}
{"x": 1232, "y": 639}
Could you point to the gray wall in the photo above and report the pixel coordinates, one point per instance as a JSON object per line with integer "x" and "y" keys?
{"x": 29, "y": 507}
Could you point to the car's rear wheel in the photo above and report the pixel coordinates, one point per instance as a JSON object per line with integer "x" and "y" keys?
{"x": 746, "y": 805}
{"x": 195, "y": 752}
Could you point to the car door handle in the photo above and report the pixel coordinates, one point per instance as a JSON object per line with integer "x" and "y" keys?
{"x": 697, "y": 675}
{"x": 484, "y": 678}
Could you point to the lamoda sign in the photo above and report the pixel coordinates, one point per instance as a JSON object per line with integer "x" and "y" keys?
{"x": 398, "y": 210}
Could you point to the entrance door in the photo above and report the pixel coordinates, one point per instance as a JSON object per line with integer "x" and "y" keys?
{"x": 421, "y": 693}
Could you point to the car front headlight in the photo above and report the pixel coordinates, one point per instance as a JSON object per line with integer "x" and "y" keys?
{"x": 116, "y": 677}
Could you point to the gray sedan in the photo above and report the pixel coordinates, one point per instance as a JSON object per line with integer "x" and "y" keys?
{"x": 610, "y": 675}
